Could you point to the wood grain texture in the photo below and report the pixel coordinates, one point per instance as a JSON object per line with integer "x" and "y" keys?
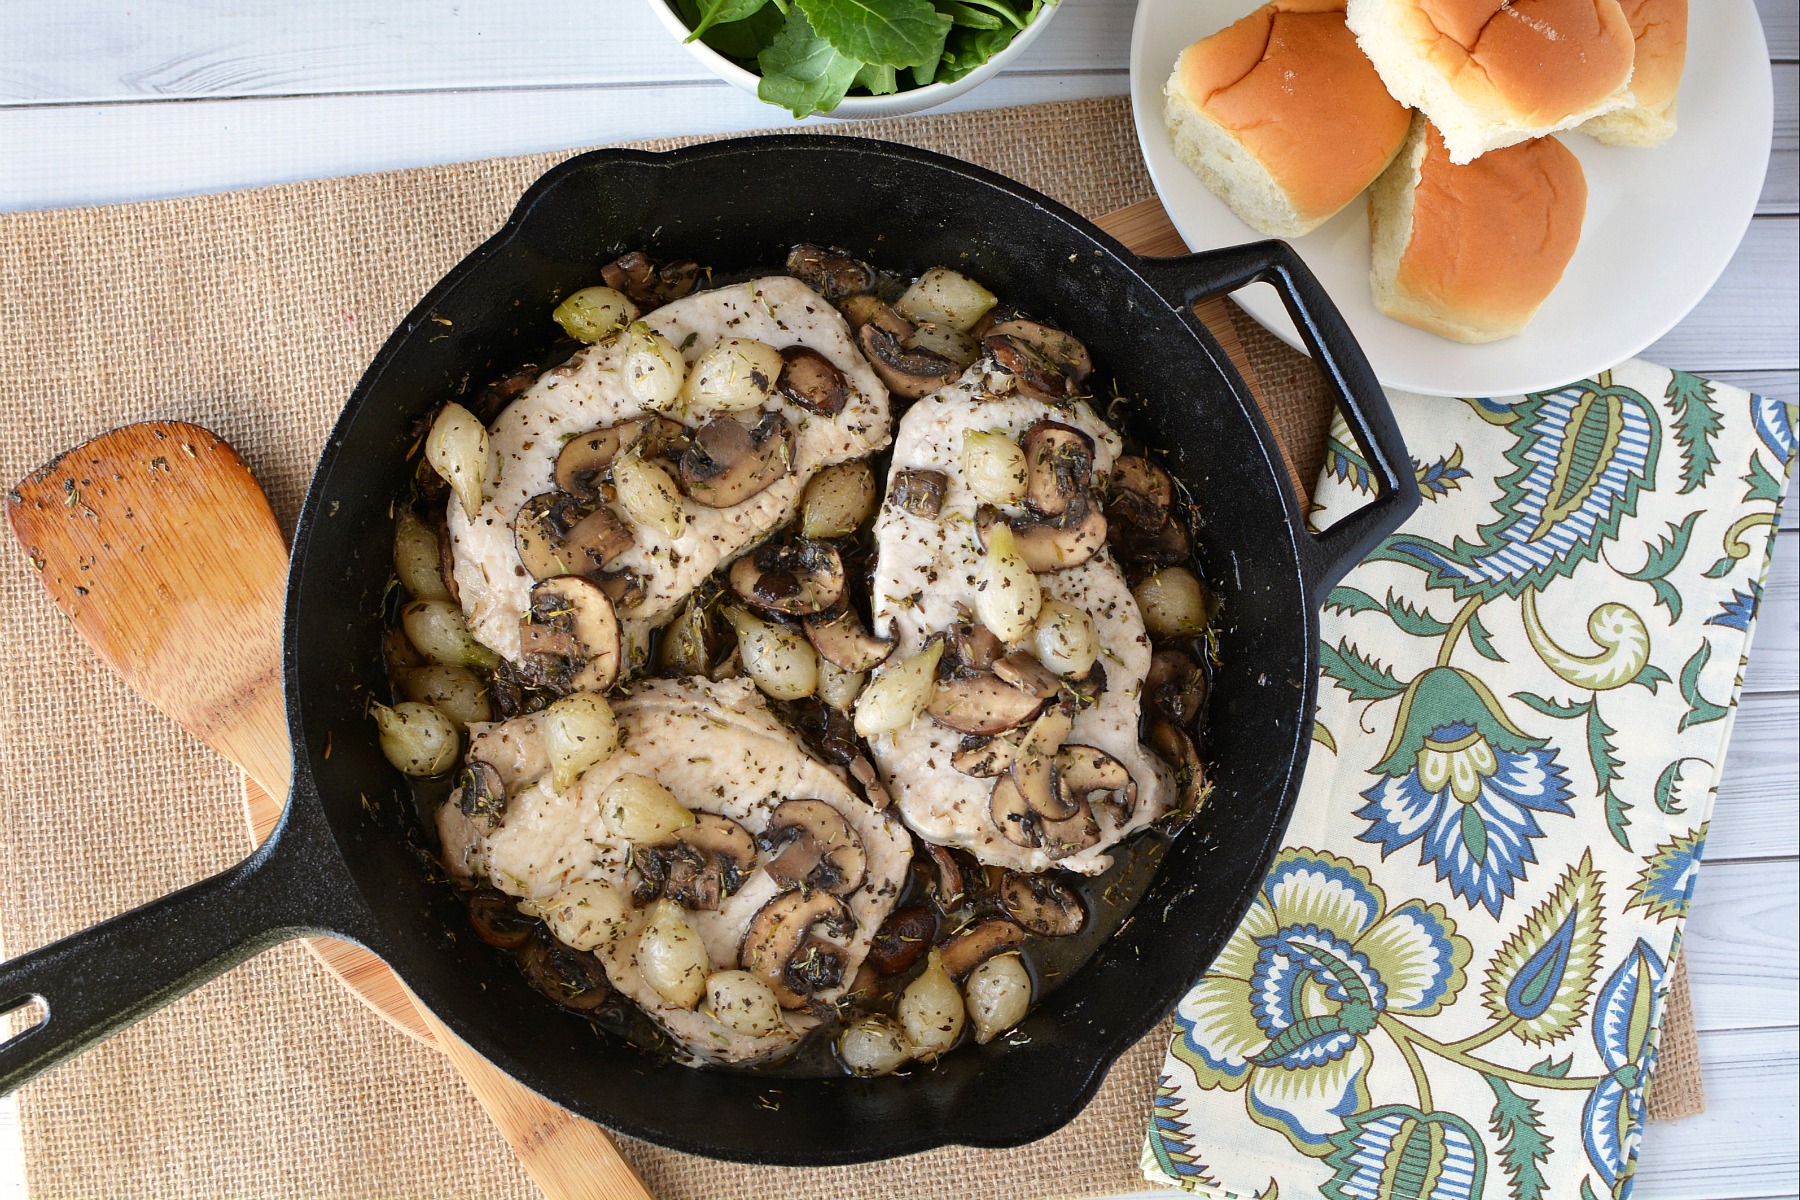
{"x": 1740, "y": 951}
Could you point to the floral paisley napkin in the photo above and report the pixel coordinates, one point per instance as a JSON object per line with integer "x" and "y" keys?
{"x": 1452, "y": 980}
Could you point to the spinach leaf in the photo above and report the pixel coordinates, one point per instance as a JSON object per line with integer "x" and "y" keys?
{"x": 746, "y": 39}
{"x": 889, "y": 33}
{"x": 970, "y": 16}
{"x": 723, "y": 12}
{"x": 878, "y": 81}
{"x": 967, "y": 48}
{"x": 801, "y": 71}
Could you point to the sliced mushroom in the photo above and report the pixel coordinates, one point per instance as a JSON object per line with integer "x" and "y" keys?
{"x": 903, "y": 939}
{"x": 570, "y": 637}
{"x": 919, "y": 492}
{"x": 843, "y": 642}
{"x": 834, "y": 274}
{"x": 623, "y": 588}
{"x": 984, "y": 758}
{"x": 872, "y": 310}
{"x": 1033, "y": 767}
{"x": 814, "y": 847}
{"x": 966, "y": 950}
{"x": 1175, "y": 686}
{"x": 570, "y": 978}
{"x": 1063, "y": 349}
{"x": 555, "y": 537}
{"x": 709, "y": 861}
{"x": 1071, "y": 835}
{"x": 981, "y": 702}
{"x": 797, "y": 578}
{"x": 1059, "y": 461}
{"x": 1177, "y": 749}
{"x": 726, "y": 462}
{"x": 1042, "y": 905}
{"x": 585, "y": 458}
{"x": 973, "y": 646}
{"x": 909, "y": 371}
{"x": 780, "y": 948}
{"x": 1026, "y": 673}
{"x": 1048, "y": 546}
{"x": 1155, "y": 545}
{"x": 635, "y": 275}
{"x": 1013, "y": 816}
{"x": 1144, "y": 486}
{"x": 481, "y": 794}
{"x": 809, "y": 380}
{"x": 1034, "y": 373}
{"x": 874, "y": 791}
{"x": 497, "y": 920}
{"x": 1087, "y": 775}
{"x": 947, "y": 886}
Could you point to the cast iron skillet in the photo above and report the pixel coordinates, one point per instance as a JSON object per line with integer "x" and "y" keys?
{"x": 345, "y": 859}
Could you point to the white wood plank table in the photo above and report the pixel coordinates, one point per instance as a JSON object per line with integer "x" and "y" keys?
{"x": 122, "y": 100}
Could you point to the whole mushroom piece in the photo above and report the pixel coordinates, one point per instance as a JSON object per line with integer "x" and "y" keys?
{"x": 781, "y": 949}
{"x": 727, "y": 462}
{"x": 815, "y": 847}
{"x": 570, "y": 637}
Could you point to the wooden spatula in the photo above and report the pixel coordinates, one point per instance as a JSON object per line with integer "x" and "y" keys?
{"x": 153, "y": 539}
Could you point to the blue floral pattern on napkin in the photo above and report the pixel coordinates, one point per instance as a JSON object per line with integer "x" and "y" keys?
{"x": 1451, "y": 983}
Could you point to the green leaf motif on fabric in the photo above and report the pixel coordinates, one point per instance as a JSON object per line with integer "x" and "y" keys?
{"x": 1666, "y": 783}
{"x": 1399, "y": 1153}
{"x": 1344, "y": 460}
{"x": 1551, "y": 1068}
{"x": 1583, "y": 454}
{"x": 1602, "y": 754}
{"x": 1762, "y": 485}
{"x": 1665, "y": 887}
{"x": 1700, "y": 709}
{"x": 1322, "y": 735}
{"x": 1351, "y": 600}
{"x": 1553, "y": 708}
{"x": 1651, "y": 677}
{"x": 1697, "y": 421}
{"x": 1481, "y": 639}
{"x": 1363, "y": 678}
{"x": 1170, "y": 1141}
{"x": 1524, "y": 1144}
{"x": 1663, "y": 558}
{"x": 1542, "y": 977}
{"x": 1415, "y": 621}
{"x": 1443, "y": 697}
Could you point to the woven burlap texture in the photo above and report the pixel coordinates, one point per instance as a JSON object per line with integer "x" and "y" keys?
{"x": 253, "y": 313}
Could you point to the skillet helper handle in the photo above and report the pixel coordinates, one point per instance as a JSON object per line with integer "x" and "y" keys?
{"x": 91, "y": 984}
{"x": 1328, "y": 555}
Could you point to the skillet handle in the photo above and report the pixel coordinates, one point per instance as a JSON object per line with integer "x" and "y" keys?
{"x": 1325, "y": 556}
{"x": 92, "y": 984}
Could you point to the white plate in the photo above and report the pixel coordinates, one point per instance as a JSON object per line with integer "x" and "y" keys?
{"x": 1661, "y": 223}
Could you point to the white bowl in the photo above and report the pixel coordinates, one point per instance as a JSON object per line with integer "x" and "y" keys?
{"x": 853, "y": 108}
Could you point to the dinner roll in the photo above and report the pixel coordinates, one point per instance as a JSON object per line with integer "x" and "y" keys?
{"x": 1282, "y": 116}
{"x": 1492, "y": 73}
{"x": 1660, "y": 27}
{"x": 1469, "y": 252}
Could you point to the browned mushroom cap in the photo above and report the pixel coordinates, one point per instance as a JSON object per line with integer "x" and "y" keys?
{"x": 842, "y": 641}
{"x": 727, "y": 463}
{"x": 831, "y": 273}
{"x": 1016, "y": 819}
{"x": 908, "y": 370}
{"x": 1175, "y": 686}
{"x": 1059, "y": 464}
{"x": 984, "y": 757}
{"x": 709, "y": 861}
{"x": 1072, "y": 835}
{"x": 780, "y": 948}
{"x": 980, "y": 702}
{"x": 947, "y": 885}
{"x": 809, "y": 380}
{"x": 814, "y": 846}
{"x": 966, "y": 950}
{"x": 905, "y": 936}
{"x": 872, "y": 310}
{"x": 1051, "y": 545}
{"x": 555, "y": 537}
{"x": 1042, "y": 905}
{"x": 481, "y": 794}
{"x": 1035, "y": 374}
{"x": 570, "y": 636}
{"x": 496, "y": 920}
{"x": 874, "y": 791}
{"x": 919, "y": 492}
{"x": 1063, "y": 349}
{"x": 973, "y": 646}
{"x": 1177, "y": 749}
{"x": 639, "y": 278}
{"x": 798, "y": 578}
{"x": 1088, "y": 775}
{"x": 1026, "y": 673}
{"x": 586, "y": 458}
{"x": 1154, "y": 545}
{"x": 1146, "y": 483}
{"x": 623, "y": 588}
{"x": 569, "y": 977}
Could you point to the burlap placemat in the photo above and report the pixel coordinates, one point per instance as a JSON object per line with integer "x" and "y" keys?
{"x": 253, "y": 313}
